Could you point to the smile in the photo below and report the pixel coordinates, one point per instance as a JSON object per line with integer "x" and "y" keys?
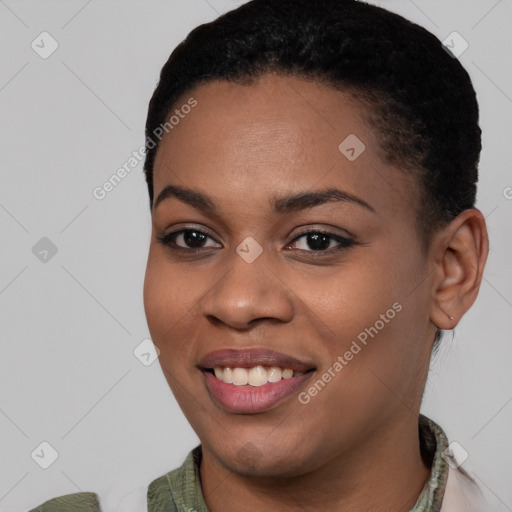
{"x": 252, "y": 380}
{"x": 247, "y": 399}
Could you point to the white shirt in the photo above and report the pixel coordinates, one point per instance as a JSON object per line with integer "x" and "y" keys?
{"x": 462, "y": 495}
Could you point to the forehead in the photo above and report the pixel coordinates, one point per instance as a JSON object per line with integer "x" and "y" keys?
{"x": 276, "y": 135}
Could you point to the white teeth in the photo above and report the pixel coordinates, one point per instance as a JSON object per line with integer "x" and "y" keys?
{"x": 240, "y": 376}
{"x": 287, "y": 374}
{"x": 275, "y": 374}
{"x": 227, "y": 375}
{"x": 256, "y": 376}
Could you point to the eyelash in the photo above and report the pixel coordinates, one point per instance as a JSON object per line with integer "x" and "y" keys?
{"x": 169, "y": 241}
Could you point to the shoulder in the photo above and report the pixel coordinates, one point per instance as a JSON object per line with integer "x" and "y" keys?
{"x": 166, "y": 493}
{"x": 78, "y": 502}
{"x": 112, "y": 500}
{"x": 179, "y": 489}
{"x": 462, "y": 494}
{"x": 160, "y": 497}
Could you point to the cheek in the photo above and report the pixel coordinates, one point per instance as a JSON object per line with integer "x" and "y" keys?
{"x": 367, "y": 311}
{"x": 156, "y": 296}
{"x": 171, "y": 307}
{"x": 170, "y": 301}
{"x": 354, "y": 296}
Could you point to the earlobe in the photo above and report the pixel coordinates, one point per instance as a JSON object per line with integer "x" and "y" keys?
{"x": 461, "y": 253}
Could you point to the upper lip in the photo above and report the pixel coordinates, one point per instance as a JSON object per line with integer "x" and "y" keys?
{"x": 250, "y": 357}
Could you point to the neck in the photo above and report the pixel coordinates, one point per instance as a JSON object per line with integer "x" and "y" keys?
{"x": 386, "y": 473}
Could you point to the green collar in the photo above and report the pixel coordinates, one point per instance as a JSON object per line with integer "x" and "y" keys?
{"x": 433, "y": 444}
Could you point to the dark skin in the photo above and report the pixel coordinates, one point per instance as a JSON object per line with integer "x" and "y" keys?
{"x": 354, "y": 446}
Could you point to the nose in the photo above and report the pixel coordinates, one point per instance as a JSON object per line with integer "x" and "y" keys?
{"x": 248, "y": 292}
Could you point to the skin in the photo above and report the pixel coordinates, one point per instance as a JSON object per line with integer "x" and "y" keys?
{"x": 354, "y": 446}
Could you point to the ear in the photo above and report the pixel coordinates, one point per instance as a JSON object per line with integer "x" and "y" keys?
{"x": 459, "y": 253}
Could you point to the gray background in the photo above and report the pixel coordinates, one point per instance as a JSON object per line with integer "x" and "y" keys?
{"x": 70, "y": 325}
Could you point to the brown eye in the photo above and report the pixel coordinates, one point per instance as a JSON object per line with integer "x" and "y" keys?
{"x": 321, "y": 241}
{"x": 185, "y": 239}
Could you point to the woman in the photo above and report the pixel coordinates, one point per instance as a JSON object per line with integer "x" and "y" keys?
{"x": 312, "y": 172}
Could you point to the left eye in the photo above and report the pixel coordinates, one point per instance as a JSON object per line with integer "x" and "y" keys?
{"x": 321, "y": 241}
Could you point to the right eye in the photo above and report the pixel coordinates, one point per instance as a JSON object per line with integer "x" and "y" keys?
{"x": 189, "y": 240}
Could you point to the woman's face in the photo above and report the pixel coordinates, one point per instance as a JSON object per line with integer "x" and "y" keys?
{"x": 252, "y": 285}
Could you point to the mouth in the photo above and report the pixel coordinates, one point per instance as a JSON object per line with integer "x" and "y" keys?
{"x": 252, "y": 380}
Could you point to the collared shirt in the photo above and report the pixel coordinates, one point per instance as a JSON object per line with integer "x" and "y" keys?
{"x": 448, "y": 489}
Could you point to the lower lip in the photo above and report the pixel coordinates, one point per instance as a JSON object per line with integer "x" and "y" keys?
{"x": 252, "y": 399}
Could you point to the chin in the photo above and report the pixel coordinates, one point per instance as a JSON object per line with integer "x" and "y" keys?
{"x": 262, "y": 460}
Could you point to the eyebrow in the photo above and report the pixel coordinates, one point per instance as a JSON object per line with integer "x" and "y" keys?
{"x": 280, "y": 205}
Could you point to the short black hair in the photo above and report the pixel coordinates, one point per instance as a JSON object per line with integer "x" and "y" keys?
{"x": 415, "y": 94}
{"x": 424, "y": 105}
